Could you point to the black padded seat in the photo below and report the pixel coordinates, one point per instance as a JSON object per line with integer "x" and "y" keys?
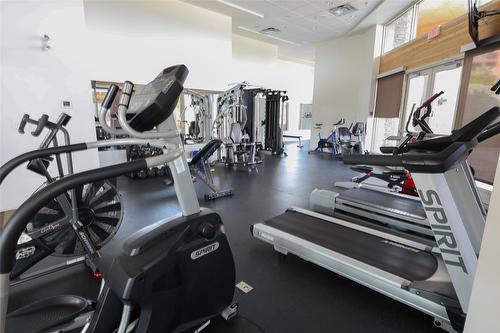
{"x": 395, "y": 172}
{"x": 387, "y": 149}
{"x": 362, "y": 168}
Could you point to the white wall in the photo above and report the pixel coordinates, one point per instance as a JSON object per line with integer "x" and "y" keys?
{"x": 484, "y": 305}
{"x": 258, "y": 63}
{"x": 35, "y": 81}
{"x": 135, "y": 40}
{"x": 344, "y": 79}
{"x": 116, "y": 41}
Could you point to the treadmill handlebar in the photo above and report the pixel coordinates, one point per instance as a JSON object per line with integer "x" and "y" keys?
{"x": 489, "y": 132}
{"x": 384, "y": 160}
{"x": 426, "y": 162}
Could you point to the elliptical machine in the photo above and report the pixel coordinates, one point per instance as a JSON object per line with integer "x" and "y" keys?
{"x": 171, "y": 276}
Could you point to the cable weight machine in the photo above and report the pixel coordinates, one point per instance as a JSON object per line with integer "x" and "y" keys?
{"x": 274, "y": 121}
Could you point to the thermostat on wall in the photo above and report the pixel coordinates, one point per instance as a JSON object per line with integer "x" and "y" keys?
{"x": 66, "y": 104}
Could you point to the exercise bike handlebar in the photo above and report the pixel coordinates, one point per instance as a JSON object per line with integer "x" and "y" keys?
{"x": 110, "y": 96}
{"x": 22, "y": 124}
{"x": 431, "y": 99}
{"x": 40, "y": 125}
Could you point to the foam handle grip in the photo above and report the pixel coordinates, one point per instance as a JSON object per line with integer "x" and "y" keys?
{"x": 23, "y": 123}
{"x": 127, "y": 89}
{"x": 42, "y": 122}
{"x": 432, "y": 98}
{"x": 110, "y": 96}
{"x": 383, "y": 160}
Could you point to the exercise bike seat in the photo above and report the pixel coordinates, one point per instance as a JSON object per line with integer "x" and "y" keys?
{"x": 362, "y": 168}
{"x": 205, "y": 152}
{"x": 45, "y": 314}
{"x": 387, "y": 150}
{"x": 395, "y": 172}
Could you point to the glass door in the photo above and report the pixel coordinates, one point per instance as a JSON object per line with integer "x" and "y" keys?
{"x": 417, "y": 88}
{"x": 447, "y": 79}
{"x": 423, "y": 84}
{"x": 305, "y": 122}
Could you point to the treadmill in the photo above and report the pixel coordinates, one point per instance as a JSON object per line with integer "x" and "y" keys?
{"x": 365, "y": 202}
{"x": 435, "y": 278}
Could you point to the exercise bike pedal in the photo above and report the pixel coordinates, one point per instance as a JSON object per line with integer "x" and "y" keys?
{"x": 230, "y": 312}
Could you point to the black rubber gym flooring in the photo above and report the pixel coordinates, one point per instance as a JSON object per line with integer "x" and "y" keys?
{"x": 289, "y": 294}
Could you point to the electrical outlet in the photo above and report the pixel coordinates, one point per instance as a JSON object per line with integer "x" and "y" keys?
{"x": 66, "y": 104}
{"x": 244, "y": 287}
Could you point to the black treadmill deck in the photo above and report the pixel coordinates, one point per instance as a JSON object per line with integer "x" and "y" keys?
{"x": 406, "y": 262}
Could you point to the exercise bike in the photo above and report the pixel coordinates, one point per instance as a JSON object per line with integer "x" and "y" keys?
{"x": 331, "y": 141}
{"x": 173, "y": 275}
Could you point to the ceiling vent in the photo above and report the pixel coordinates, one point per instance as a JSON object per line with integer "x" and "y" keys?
{"x": 342, "y": 10}
{"x": 270, "y": 31}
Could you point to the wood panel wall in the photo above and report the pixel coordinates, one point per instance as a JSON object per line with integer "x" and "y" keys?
{"x": 421, "y": 51}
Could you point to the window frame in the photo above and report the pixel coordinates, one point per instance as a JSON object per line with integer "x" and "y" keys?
{"x": 413, "y": 30}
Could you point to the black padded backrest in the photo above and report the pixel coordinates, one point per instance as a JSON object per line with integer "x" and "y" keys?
{"x": 156, "y": 101}
{"x": 205, "y": 152}
{"x": 235, "y": 133}
{"x": 344, "y": 134}
{"x": 358, "y": 128}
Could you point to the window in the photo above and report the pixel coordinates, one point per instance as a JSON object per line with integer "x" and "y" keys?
{"x": 431, "y": 13}
{"x": 421, "y": 18}
{"x": 305, "y": 122}
{"x": 399, "y": 31}
{"x": 481, "y": 71}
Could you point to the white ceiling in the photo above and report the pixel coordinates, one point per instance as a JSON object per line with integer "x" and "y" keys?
{"x": 303, "y": 22}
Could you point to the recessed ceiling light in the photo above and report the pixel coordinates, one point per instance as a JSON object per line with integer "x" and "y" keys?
{"x": 342, "y": 10}
{"x": 268, "y": 36}
{"x": 243, "y": 9}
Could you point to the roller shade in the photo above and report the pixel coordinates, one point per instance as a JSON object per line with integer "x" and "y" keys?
{"x": 389, "y": 90}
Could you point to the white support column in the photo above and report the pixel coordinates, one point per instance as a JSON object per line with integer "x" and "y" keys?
{"x": 484, "y": 307}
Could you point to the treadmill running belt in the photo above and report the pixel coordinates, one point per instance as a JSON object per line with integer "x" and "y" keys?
{"x": 403, "y": 261}
{"x": 385, "y": 201}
